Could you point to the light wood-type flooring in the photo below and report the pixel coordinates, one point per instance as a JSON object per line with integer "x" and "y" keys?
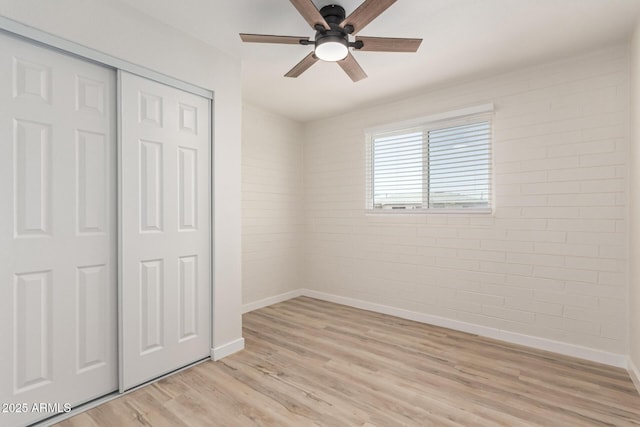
{"x": 309, "y": 362}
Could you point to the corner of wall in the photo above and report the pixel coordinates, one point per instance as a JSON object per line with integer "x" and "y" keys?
{"x": 634, "y": 208}
{"x": 227, "y": 349}
{"x": 272, "y": 212}
{"x": 634, "y": 373}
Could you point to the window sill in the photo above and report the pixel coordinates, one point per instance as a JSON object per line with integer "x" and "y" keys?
{"x": 486, "y": 211}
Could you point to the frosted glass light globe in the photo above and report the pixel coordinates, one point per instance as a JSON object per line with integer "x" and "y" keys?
{"x": 331, "y": 49}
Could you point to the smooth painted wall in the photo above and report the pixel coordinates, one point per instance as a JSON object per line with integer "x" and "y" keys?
{"x": 550, "y": 262}
{"x": 272, "y": 204}
{"x": 125, "y": 33}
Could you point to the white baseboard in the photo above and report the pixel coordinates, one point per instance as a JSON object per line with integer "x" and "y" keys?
{"x": 612, "y": 359}
{"x": 238, "y": 345}
{"x": 634, "y": 373}
{"x": 567, "y": 349}
{"x": 271, "y": 300}
{"x": 227, "y": 349}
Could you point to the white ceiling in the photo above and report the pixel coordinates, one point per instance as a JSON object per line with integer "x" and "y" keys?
{"x": 462, "y": 39}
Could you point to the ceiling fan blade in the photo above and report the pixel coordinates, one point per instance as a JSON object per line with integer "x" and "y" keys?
{"x": 365, "y": 13}
{"x": 352, "y": 68}
{"x": 310, "y": 13}
{"x": 389, "y": 44}
{"x": 266, "y": 38}
{"x": 303, "y": 65}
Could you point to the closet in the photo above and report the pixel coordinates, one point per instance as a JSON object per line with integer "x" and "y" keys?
{"x": 105, "y": 235}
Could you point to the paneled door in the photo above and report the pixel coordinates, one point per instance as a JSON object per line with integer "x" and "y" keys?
{"x": 58, "y": 272}
{"x": 165, "y": 258}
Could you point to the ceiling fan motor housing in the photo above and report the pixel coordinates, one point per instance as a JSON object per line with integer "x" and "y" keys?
{"x": 334, "y": 15}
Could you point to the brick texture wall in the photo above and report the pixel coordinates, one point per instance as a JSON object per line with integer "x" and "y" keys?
{"x": 549, "y": 262}
{"x": 272, "y": 208}
{"x": 634, "y": 281}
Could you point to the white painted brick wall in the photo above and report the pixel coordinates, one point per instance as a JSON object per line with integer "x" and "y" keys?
{"x": 272, "y": 204}
{"x": 634, "y": 228}
{"x": 551, "y": 260}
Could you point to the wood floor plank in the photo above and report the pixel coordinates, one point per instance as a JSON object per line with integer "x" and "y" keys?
{"x": 313, "y": 363}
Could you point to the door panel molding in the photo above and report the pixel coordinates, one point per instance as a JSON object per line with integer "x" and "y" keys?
{"x": 58, "y": 273}
{"x": 165, "y": 251}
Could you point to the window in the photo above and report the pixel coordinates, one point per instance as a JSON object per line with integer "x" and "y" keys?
{"x": 438, "y": 166}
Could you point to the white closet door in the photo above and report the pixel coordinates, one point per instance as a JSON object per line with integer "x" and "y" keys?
{"x": 165, "y": 229}
{"x": 58, "y": 312}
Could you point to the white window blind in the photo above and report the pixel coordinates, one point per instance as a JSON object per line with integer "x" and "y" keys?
{"x": 437, "y": 167}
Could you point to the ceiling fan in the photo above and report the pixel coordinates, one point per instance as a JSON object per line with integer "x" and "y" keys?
{"x": 333, "y": 29}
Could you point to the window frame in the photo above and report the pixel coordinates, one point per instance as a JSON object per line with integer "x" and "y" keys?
{"x": 464, "y": 116}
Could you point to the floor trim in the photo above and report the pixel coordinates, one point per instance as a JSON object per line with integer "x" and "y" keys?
{"x": 227, "y": 349}
{"x": 271, "y": 300}
{"x": 634, "y": 373}
{"x": 593, "y": 355}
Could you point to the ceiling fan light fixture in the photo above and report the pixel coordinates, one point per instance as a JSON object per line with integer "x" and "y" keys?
{"x": 333, "y": 31}
{"x": 331, "y": 48}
